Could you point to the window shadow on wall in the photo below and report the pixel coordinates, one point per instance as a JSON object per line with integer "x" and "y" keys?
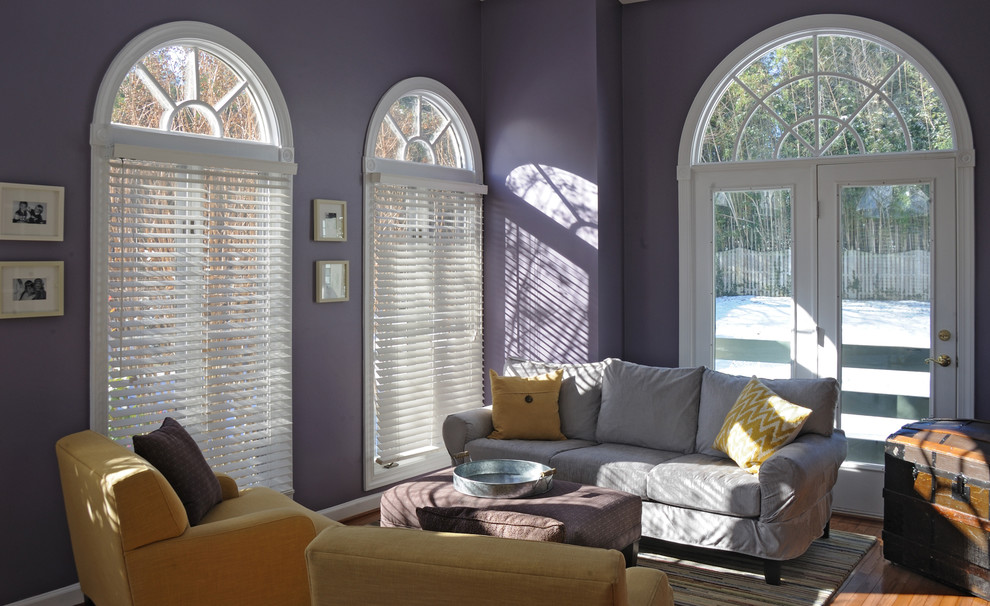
{"x": 548, "y": 274}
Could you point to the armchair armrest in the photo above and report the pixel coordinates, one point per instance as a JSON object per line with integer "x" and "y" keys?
{"x": 800, "y": 474}
{"x": 215, "y": 558}
{"x": 228, "y": 487}
{"x": 462, "y": 427}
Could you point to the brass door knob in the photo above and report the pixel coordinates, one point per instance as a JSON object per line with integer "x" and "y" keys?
{"x": 942, "y": 360}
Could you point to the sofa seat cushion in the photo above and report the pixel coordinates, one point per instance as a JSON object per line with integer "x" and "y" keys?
{"x": 706, "y": 483}
{"x": 616, "y": 466}
{"x": 649, "y": 406}
{"x": 580, "y": 392}
{"x": 540, "y": 451}
{"x": 719, "y": 392}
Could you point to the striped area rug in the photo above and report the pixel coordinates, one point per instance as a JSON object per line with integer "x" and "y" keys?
{"x": 709, "y": 578}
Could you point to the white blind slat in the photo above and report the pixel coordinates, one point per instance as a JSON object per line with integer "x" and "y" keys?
{"x": 199, "y": 269}
{"x": 427, "y": 302}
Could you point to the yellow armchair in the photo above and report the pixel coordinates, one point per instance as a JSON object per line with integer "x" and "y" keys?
{"x": 133, "y": 545}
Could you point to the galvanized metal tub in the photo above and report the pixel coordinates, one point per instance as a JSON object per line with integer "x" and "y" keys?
{"x": 503, "y": 478}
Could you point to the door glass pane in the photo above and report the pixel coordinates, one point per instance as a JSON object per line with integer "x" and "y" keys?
{"x": 754, "y": 308}
{"x": 885, "y": 281}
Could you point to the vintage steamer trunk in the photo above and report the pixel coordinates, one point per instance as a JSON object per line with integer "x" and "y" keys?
{"x": 935, "y": 517}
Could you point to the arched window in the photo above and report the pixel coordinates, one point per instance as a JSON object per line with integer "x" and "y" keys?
{"x": 423, "y": 277}
{"x": 825, "y": 209}
{"x": 420, "y": 127}
{"x": 191, "y": 264}
{"x": 825, "y": 93}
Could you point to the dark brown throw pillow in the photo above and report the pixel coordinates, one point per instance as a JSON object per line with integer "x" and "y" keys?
{"x": 491, "y": 522}
{"x": 175, "y": 453}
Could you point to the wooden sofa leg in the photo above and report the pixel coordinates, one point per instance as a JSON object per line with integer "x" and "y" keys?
{"x": 771, "y": 571}
{"x": 827, "y": 526}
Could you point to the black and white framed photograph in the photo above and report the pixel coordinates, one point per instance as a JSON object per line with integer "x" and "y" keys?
{"x": 31, "y": 288}
{"x": 332, "y": 281}
{"x": 329, "y": 221}
{"x": 31, "y": 212}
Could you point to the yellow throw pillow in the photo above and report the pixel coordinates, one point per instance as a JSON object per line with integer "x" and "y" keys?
{"x": 759, "y": 424}
{"x": 525, "y": 408}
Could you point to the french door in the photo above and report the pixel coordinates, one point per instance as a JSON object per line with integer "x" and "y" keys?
{"x": 845, "y": 270}
{"x": 887, "y": 265}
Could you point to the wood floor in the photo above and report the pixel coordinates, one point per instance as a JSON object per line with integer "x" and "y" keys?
{"x": 877, "y": 582}
{"x": 874, "y": 582}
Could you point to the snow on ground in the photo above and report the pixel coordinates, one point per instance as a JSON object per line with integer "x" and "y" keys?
{"x": 894, "y": 323}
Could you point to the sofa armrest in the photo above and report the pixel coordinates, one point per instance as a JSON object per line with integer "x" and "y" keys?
{"x": 462, "y": 427}
{"x": 800, "y": 474}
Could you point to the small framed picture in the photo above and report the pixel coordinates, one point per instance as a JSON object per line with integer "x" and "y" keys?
{"x": 31, "y": 288}
{"x": 332, "y": 279}
{"x": 329, "y": 221}
{"x": 30, "y": 212}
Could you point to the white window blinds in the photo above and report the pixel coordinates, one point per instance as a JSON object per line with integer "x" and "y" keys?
{"x": 426, "y": 318}
{"x": 198, "y": 295}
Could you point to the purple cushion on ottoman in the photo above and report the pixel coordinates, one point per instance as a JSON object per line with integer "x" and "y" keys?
{"x": 491, "y": 522}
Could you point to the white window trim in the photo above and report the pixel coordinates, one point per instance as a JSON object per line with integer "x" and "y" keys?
{"x": 379, "y": 170}
{"x": 108, "y": 140}
{"x": 691, "y": 230}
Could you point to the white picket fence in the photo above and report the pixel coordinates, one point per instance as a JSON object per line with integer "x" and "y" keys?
{"x": 869, "y": 276}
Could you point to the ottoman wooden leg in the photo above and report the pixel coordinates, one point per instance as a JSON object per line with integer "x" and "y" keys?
{"x": 631, "y": 553}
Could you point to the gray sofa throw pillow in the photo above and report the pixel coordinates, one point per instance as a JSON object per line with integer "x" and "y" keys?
{"x": 719, "y": 392}
{"x": 649, "y": 406}
{"x": 580, "y": 392}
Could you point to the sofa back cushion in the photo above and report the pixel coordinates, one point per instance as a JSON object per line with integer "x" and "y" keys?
{"x": 650, "y": 406}
{"x": 580, "y": 392}
{"x": 719, "y": 392}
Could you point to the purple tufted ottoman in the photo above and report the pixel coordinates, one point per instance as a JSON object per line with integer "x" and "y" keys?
{"x": 592, "y": 516}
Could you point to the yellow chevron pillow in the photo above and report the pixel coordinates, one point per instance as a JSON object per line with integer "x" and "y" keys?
{"x": 758, "y": 425}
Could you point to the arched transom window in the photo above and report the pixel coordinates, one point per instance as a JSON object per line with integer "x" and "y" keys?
{"x": 188, "y": 89}
{"x": 825, "y": 94}
{"x": 420, "y": 128}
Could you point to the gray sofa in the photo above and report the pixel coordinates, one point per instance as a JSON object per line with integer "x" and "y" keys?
{"x": 649, "y": 431}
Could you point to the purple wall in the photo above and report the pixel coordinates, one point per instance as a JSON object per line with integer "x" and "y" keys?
{"x": 553, "y": 123}
{"x": 551, "y": 95}
{"x": 669, "y": 48}
{"x": 333, "y": 61}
